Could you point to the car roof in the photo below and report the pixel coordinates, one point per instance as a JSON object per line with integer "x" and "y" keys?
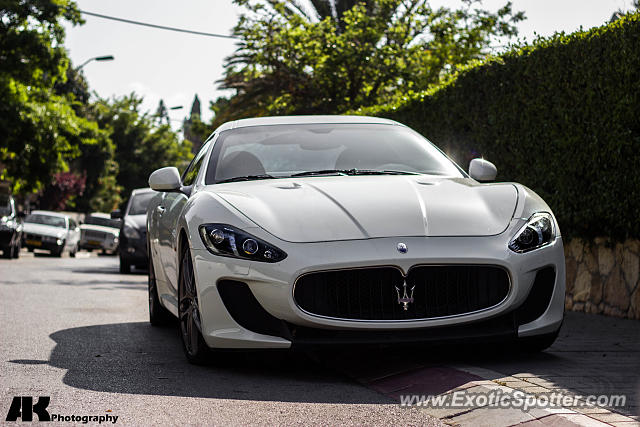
{"x": 50, "y": 213}
{"x": 300, "y": 120}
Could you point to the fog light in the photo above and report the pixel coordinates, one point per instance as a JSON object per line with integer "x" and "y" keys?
{"x": 59, "y": 242}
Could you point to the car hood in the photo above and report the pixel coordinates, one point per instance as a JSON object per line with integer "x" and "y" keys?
{"x": 43, "y": 230}
{"x": 108, "y": 230}
{"x": 361, "y": 207}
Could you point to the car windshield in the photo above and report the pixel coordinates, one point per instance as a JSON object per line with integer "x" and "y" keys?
{"x": 54, "y": 221}
{"x": 105, "y": 222}
{"x": 139, "y": 203}
{"x": 262, "y": 152}
{"x": 5, "y": 207}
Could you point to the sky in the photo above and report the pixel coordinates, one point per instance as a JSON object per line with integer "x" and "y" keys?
{"x": 172, "y": 66}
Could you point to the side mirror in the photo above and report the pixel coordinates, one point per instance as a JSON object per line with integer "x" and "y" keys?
{"x": 482, "y": 170}
{"x": 117, "y": 214}
{"x": 165, "y": 179}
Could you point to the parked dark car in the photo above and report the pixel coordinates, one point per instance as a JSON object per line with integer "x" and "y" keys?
{"x": 10, "y": 227}
{"x": 133, "y": 231}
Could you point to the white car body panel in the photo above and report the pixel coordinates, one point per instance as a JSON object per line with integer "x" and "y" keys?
{"x": 344, "y": 222}
{"x": 365, "y": 207}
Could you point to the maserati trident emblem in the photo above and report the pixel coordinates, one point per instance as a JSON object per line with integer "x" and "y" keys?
{"x": 402, "y": 248}
{"x": 405, "y": 299}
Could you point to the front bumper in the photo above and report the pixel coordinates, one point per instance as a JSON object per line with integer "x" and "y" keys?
{"x": 272, "y": 287}
{"x": 134, "y": 251}
{"x": 108, "y": 245}
{"x": 47, "y": 243}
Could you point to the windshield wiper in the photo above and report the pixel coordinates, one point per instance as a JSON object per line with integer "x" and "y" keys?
{"x": 382, "y": 172}
{"x": 323, "y": 172}
{"x": 247, "y": 178}
{"x": 354, "y": 172}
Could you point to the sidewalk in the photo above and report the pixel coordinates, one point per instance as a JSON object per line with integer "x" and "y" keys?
{"x": 594, "y": 355}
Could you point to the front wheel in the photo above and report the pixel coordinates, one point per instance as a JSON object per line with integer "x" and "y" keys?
{"x": 16, "y": 250}
{"x": 193, "y": 344}
{"x": 125, "y": 266}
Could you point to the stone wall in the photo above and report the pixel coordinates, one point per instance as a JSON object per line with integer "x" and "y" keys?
{"x": 602, "y": 277}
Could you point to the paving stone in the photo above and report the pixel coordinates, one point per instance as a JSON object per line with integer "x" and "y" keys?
{"x": 429, "y": 381}
{"x": 491, "y": 417}
{"x": 610, "y": 417}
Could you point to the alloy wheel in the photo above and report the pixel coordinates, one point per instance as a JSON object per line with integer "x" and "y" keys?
{"x": 190, "y": 325}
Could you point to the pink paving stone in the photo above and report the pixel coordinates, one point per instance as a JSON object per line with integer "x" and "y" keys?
{"x": 435, "y": 380}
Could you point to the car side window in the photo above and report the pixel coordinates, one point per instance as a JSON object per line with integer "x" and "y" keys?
{"x": 72, "y": 224}
{"x": 190, "y": 175}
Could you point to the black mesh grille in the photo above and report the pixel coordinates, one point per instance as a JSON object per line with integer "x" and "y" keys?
{"x": 371, "y": 294}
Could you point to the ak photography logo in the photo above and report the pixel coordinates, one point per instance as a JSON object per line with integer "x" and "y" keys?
{"x": 23, "y": 408}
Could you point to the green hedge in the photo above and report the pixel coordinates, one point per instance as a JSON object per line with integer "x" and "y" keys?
{"x": 561, "y": 117}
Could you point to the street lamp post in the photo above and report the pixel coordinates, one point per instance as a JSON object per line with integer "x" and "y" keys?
{"x": 96, "y": 58}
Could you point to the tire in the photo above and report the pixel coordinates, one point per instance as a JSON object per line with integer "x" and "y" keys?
{"x": 125, "y": 266}
{"x": 538, "y": 343}
{"x": 16, "y": 250}
{"x": 194, "y": 346}
{"x": 158, "y": 315}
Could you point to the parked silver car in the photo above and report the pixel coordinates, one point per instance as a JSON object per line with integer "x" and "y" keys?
{"x": 51, "y": 231}
{"x": 99, "y": 231}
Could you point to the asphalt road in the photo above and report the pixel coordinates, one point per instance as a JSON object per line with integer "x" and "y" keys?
{"x": 76, "y": 330}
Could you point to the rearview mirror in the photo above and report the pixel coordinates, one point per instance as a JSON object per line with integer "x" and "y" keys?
{"x": 116, "y": 214}
{"x": 165, "y": 179}
{"x": 482, "y": 170}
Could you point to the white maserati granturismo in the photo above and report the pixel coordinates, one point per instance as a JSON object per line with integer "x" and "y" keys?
{"x": 339, "y": 230}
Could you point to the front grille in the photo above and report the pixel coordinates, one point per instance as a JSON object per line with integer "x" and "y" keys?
{"x": 372, "y": 293}
{"x": 93, "y": 234}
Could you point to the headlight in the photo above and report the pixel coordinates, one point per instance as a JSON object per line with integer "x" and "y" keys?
{"x": 130, "y": 232}
{"x": 537, "y": 232}
{"x": 225, "y": 240}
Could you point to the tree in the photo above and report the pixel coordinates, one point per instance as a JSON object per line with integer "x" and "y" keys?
{"x": 40, "y": 132}
{"x": 62, "y": 191}
{"x": 140, "y": 146}
{"x": 341, "y": 55}
{"x": 162, "y": 114}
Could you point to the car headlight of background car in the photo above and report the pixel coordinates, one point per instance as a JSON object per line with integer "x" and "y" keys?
{"x": 130, "y": 232}
{"x": 5, "y": 222}
{"x": 536, "y": 233}
{"x": 225, "y": 240}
